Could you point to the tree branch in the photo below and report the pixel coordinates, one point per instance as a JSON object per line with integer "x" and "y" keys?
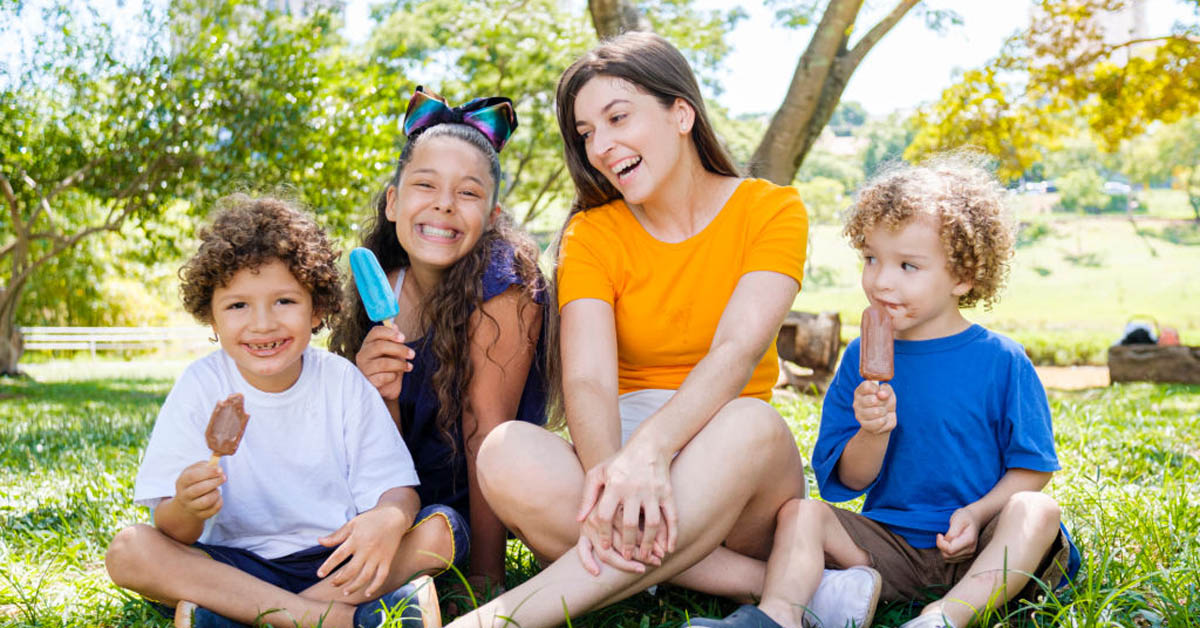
{"x": 14, "y": 209}
{"x": 877, "y": 32}
{"x": 537, "y": 200}
{"x": 64, "y": 243}
{"x": 72, "y": 178}
{"x": 1104, "y": 51}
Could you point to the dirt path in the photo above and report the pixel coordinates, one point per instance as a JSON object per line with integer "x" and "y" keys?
{"x": 1073, "y": 377}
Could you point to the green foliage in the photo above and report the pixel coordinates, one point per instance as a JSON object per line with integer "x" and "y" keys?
{"x": 1082, "y": 190}
{"x": 1064, "y": 347}
{"x": 104, "y": 134}
{"x": 1060, "y": 69}
{"x": 847, "y": 117}
{"x": 824, "y": 198}
{"x": 824, "y": 164}
{"x": 886, "y": 141}
{"x": 1028, "y": 233}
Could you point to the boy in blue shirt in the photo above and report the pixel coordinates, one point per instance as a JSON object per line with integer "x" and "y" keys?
{"x": 952, "y": 454}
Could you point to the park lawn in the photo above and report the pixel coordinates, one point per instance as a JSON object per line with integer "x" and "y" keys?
{"x": 70, "y": 443}
{"x": 1075, "y": 282}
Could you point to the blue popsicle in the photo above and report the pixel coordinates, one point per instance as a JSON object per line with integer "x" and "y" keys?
{"x": 373, "y": 286}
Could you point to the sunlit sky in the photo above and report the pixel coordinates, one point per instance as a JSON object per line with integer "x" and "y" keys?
{"x": 910, "y": 66}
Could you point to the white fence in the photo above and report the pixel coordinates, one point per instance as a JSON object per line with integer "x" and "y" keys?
{"x": 95, "y": 339}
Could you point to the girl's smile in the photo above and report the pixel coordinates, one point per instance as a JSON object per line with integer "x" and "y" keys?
{"x": 442, "y": 203}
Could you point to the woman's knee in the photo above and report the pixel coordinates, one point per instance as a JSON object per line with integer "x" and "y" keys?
{"x": 503, "y": 456}
{"x": 754, "y": 426}
{"x": 524, "y": 469}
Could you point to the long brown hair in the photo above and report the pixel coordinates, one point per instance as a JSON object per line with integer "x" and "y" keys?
{"x": 446, "y": 313}
{"x": 653, "y": 65}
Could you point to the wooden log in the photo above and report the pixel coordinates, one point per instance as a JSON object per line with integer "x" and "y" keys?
{"x": 1154, "y": 363}
{"x": 811, "y": 340}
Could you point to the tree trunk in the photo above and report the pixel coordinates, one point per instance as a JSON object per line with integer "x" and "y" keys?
{"x": 777, "y": 157}
{"x": 817, "y": 85}
{"x": 613, "y": 17}
{"x": 12, "y": 345}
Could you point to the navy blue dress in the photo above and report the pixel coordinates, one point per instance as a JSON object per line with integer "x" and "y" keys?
{"x": 442, "y": 469}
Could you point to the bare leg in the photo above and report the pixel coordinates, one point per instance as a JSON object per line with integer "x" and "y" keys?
{"x": 536, "y": 496}
{"x": 152, "y": 564}
{"x": 728, "y": 482}
{"x": 1026, "y": 529}
{"x": 807, "y": 531}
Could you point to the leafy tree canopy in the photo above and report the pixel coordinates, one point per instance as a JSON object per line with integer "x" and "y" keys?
{"x": 1066, "y": 66}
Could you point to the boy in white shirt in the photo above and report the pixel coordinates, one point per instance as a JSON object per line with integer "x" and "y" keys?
{"x": 314, "y": 517}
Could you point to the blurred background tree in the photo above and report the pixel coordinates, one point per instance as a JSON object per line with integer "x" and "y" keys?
{"x": 1066, "y": 66}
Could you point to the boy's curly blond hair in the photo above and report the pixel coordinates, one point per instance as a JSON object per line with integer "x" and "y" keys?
{"x": 247, "y": 232}
{"x": 965, "y": 198}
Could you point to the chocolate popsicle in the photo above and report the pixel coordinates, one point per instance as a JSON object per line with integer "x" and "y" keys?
{"x": 225, "y": 427}
{"x": 875, "y": 351}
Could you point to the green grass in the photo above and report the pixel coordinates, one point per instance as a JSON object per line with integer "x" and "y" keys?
{"x": 69, "y": 448}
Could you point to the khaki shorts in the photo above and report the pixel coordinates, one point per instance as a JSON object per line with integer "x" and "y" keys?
{"x": 911, "y": 574}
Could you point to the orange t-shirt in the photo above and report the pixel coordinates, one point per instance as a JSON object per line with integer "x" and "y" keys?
{"x": 667, "y": 298}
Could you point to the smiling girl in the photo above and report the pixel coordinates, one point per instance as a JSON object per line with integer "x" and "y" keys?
{"x": 466, "y": 354}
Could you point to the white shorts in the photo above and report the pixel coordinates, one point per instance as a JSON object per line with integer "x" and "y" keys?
{"x": 636, "y": 406}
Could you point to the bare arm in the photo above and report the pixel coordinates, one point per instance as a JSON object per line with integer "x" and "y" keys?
{"x": 589, "y": 364}
{"x": 875, "y": 411}
{"x": 504, "y": 336}
{"x": 1012, "y": 482}
{"x": 748, "y": 326}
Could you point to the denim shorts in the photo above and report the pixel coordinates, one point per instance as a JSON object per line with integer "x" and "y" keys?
{"x": 298, "y": 571}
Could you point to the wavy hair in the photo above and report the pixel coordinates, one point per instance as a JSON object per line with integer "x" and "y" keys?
{"x": 445, "y": 314}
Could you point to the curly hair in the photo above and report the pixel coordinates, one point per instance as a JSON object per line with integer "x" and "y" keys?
{"x": 446, "y": 313}
{"x": 248, "y": 232}
{"x": 964, "y": 197}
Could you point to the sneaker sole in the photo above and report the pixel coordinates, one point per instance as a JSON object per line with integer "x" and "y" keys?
{"x": 427, "y": 601}
{"x": 183, "y": 614}
{"x": 875, "y": 590}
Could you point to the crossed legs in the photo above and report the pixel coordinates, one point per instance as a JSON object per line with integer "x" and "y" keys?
{"x": 729, "y": 483}
{"x": 160, "y": 568}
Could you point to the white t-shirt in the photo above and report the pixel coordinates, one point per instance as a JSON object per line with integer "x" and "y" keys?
{"x": 311, "y": 458}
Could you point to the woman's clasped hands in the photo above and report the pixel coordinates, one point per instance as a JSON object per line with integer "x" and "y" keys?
{"x": 627, "y": 513}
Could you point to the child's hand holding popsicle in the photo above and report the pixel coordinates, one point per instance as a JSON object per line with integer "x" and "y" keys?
{"x": 383, "y": 357}
{"x": 874, "y": 399}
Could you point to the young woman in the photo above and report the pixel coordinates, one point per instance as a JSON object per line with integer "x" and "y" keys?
{"x": 674, "y": 275}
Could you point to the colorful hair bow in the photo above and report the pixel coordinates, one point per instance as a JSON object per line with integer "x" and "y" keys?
{"x": 494, "y": 117}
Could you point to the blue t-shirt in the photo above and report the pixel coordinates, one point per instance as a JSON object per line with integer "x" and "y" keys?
{"x": 442, "y": 468}
{"x": 968, "y": 408}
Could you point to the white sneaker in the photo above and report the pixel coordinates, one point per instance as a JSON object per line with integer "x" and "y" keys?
{"x": 930, "y": 620}
{"x": 846, "y": 598}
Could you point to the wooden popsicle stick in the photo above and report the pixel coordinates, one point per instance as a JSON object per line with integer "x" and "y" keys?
{"x": 212, "y": 462}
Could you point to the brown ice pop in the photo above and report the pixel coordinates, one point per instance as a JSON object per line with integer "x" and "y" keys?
{"x": 225, "y": 427}
{"x": 875, "y": 359}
